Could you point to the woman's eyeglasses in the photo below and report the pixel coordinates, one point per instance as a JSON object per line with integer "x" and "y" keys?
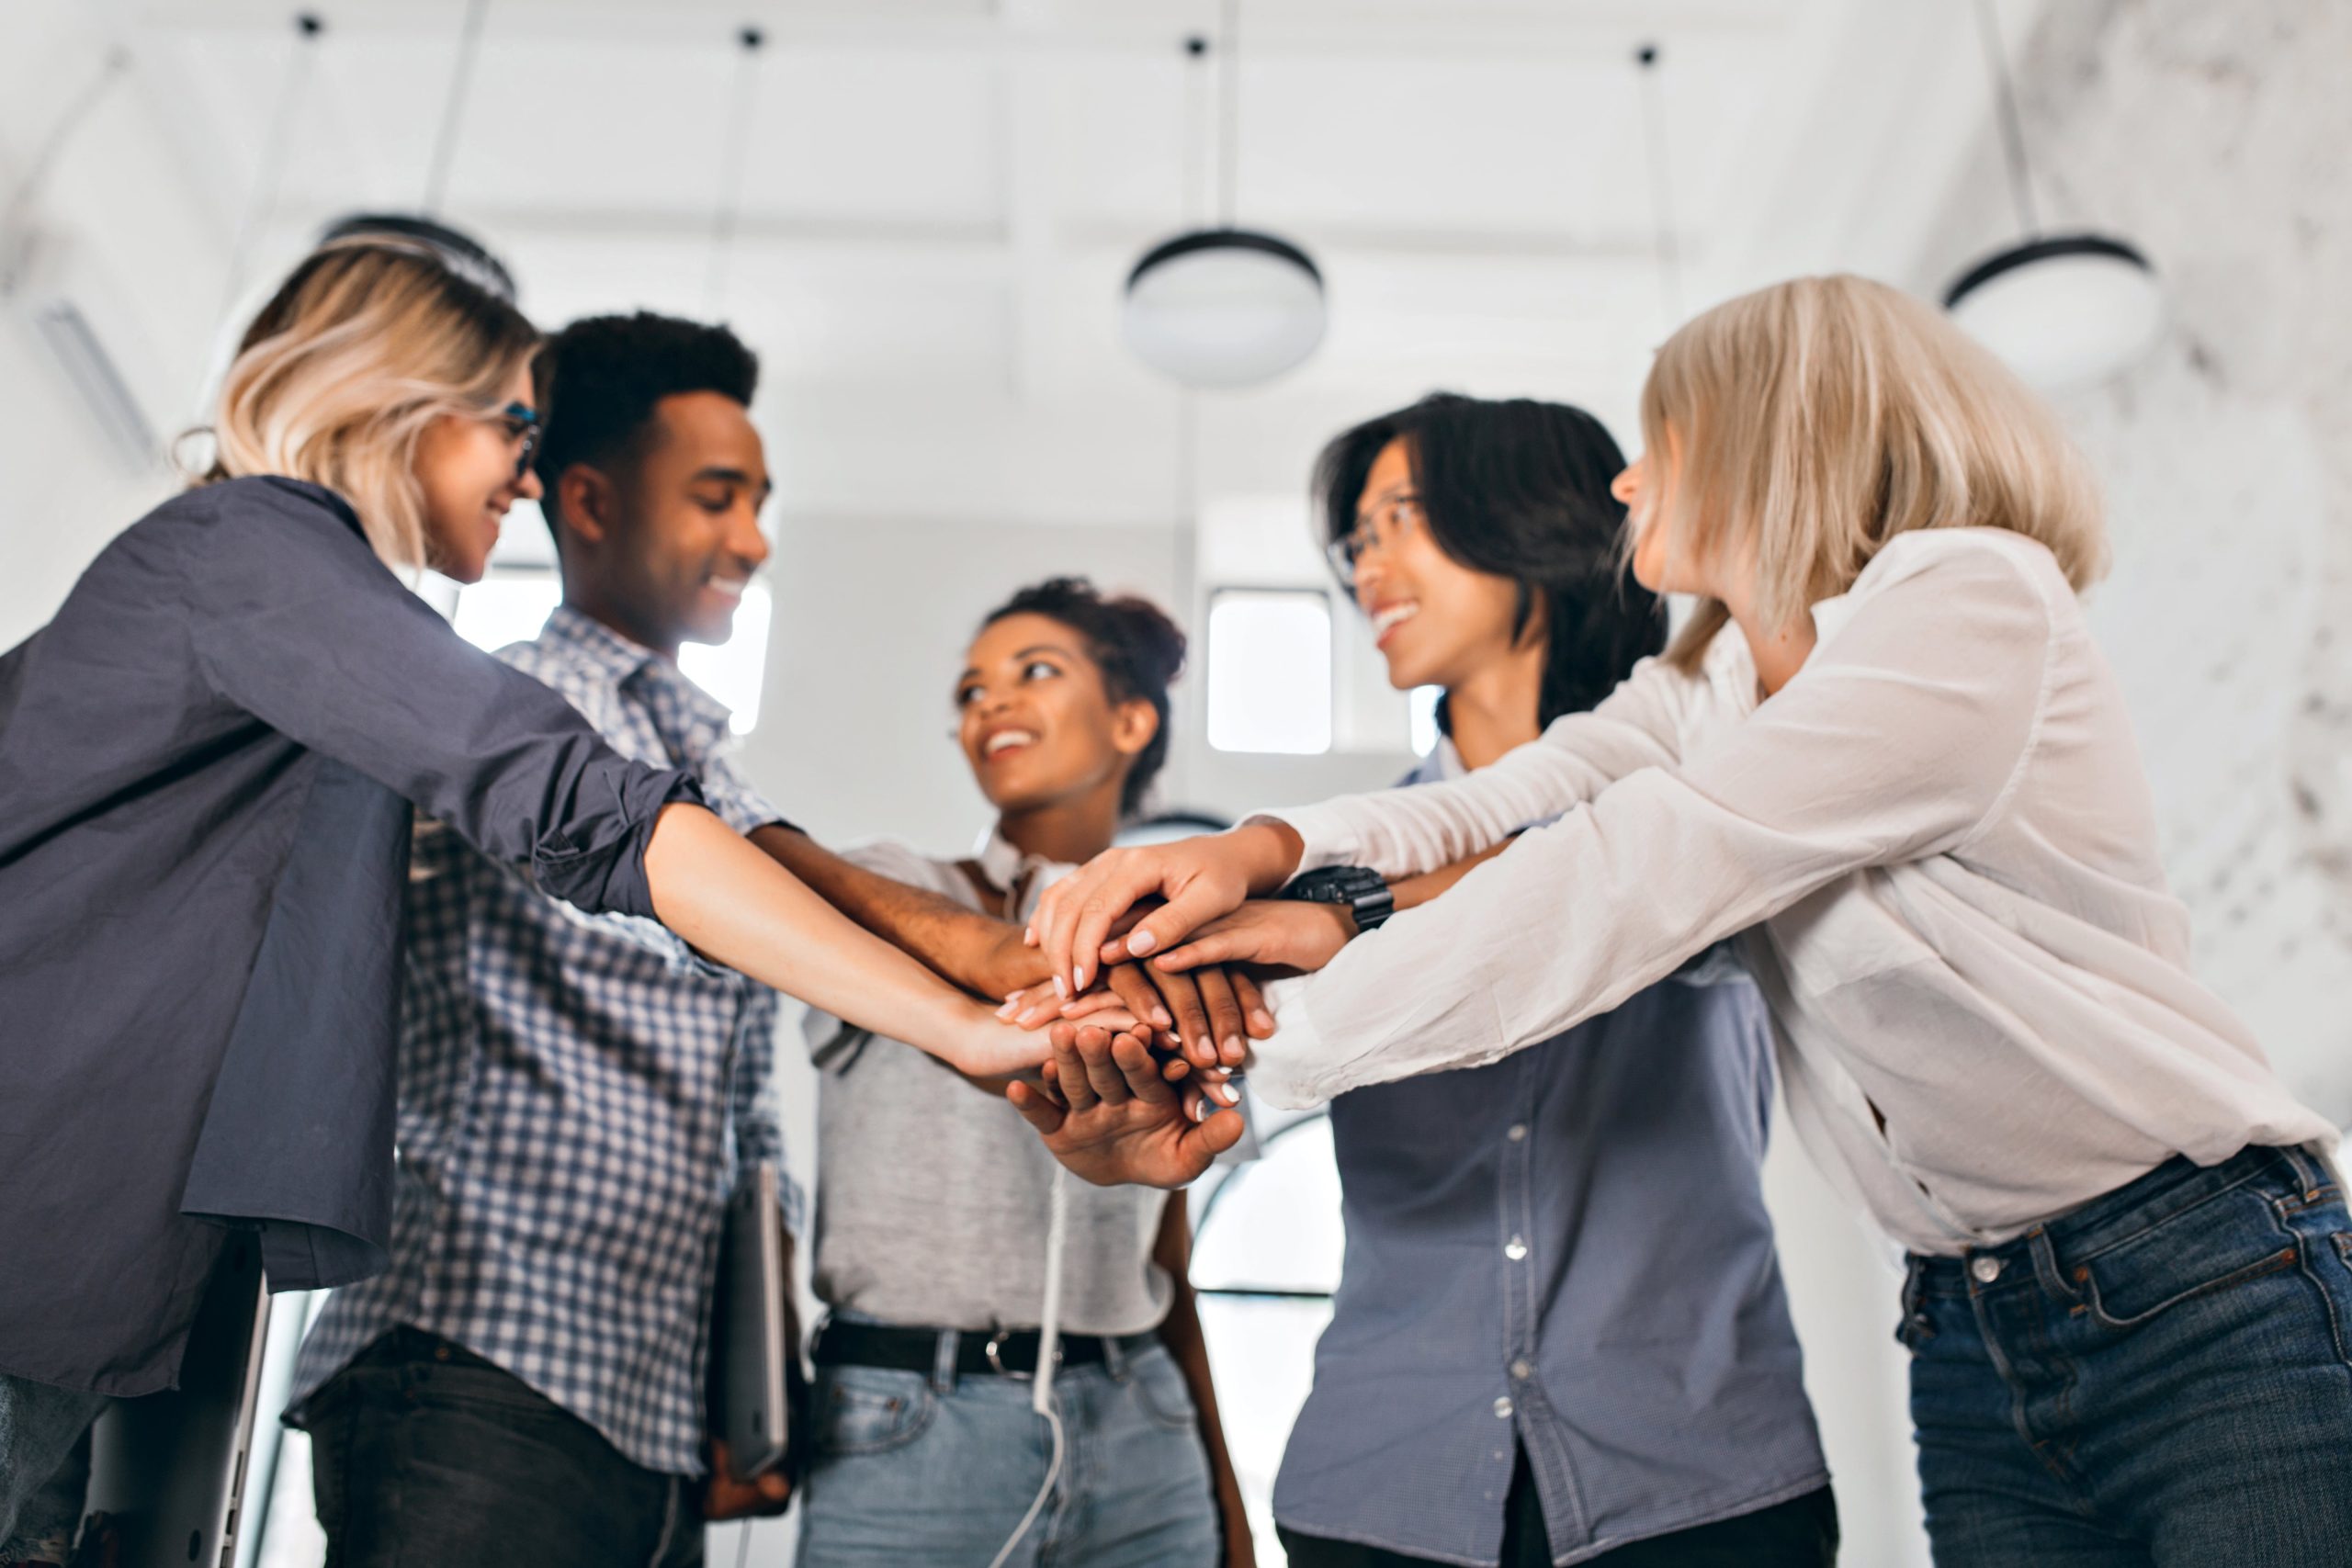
{"x": 1389, "y": 520}
{"x": 522, "y": 422}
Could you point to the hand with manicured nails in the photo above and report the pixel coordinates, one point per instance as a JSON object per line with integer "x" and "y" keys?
{"x": 1109, "y": 1114}
{"x": 1200, "y": 878}
{"x": 1288, "y": 935}
{"x": 1206, "y": 1011}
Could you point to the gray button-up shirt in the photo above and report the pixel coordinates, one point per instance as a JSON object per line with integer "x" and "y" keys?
{"x": 207, "y": 764}
{"x": 1565, "y": 1250}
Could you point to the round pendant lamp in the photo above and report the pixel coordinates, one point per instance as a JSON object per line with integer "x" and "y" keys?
{"x": 2063, "y": 311}
{"x": 2060, "y": 310}
{"x": 1224, "y": 307}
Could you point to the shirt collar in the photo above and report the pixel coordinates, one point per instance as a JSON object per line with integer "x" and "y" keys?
{"x": 623, "y": 661}
{"x": 1830, "y": 615}
{"x": 1004, "y": 866}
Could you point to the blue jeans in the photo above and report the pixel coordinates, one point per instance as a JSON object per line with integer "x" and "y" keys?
{"x": 915, "y": 1472}
{"x": 2159, "y": 1378}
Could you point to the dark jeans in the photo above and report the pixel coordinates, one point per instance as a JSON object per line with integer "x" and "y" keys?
{"x": 423, "y": 1453}
{"x": 2157, "y": 1380}
{"x": 1798, "y": 1533}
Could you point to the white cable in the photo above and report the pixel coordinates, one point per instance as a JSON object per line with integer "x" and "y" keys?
{"x": 1049, "y": 1335}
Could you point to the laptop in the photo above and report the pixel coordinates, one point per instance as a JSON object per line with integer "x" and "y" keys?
{"x": 167, "y": 1471}
{"x": 756, "y": 1380}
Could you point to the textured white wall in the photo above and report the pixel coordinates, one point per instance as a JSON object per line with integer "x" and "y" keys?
{"x": 2215, "y": 136}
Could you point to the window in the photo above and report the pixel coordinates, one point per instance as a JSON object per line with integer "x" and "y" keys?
{"x": 510, "y": 606}
{"x": 1270, "y": 671}
{"x": 506, "y": 607}
{"x": 1266, "y": 1246}
{"x": 1422, "y": 715}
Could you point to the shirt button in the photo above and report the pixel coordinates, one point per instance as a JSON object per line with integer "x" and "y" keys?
{"x": 1521, "y": 1371}
{"x": 1986, "y": 1269}
{"x": 1518, "y": 1133}
{"x": 1502, "y": 1409}
{"x": 1515, "y": 1249}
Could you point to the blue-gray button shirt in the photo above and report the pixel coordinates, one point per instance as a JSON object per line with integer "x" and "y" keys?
{"x": 1566, "y": 1250}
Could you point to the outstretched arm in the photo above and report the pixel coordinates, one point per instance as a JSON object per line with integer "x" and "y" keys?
{"x": 732, "y": 902}
{"x": 977, "y": 951}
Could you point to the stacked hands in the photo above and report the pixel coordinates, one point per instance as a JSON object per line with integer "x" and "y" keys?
{"x": 1155, "y": 959}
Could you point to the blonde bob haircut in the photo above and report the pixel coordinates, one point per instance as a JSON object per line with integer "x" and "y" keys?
{"x": 1808, "y": 424}
{"x": 369, "y": 342}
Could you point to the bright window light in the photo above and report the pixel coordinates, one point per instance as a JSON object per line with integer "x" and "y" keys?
{"x": 506, "y": 607}
{"x": 510, "y": 606}
{"x": 733, "y": 671}
{"x": 1422, "y": 712}
{"x": 1270, "y": 671}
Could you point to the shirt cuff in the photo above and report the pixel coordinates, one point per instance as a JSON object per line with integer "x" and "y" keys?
{"x": 609, "y": 876}
{"x": 1323, "y": 832}
{"x": 1286, "y": 1071}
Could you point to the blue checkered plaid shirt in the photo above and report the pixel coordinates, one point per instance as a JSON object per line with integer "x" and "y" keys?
{"x": 577, "y": 1094}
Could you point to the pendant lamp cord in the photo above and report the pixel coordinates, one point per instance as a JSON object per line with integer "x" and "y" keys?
{"x": 1996, "y": 59}
{"x": 1228, "y": 147}
{"x": 453, "y": 111}
{"x": 730, "y": 189}
{"x": 12, "y": 239}
{"x": 1668, "y": 248}
{"x": 271, "y": 173}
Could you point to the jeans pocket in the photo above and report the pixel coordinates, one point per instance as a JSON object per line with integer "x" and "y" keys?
{"x": 482, "y": 1390}
{"x": 1158, "y": 1387}
{"x": 2229, "y": 1241}
{"x": 869, "y": 1410}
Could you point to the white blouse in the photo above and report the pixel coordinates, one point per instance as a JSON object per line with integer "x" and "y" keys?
{"x": 1939, "y": 842}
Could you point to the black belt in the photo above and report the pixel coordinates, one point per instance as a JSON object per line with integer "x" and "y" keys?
{"x": 979, "y": 1352}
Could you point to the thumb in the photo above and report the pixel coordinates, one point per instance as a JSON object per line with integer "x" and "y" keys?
{"x": 1211, "y": 1138}
{"x": 1035, "y": 1108}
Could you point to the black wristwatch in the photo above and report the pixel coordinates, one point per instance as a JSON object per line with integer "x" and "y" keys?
{"x": 1363, "y": 891}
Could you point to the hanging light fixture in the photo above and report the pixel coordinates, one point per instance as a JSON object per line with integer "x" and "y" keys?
{"x": 1667, "y": 248}
{"x": 458, "y": 251}
{"x": 2060, "y": 310}
{"x": 724, "y": 222}
{"x": 1226, "y": 306}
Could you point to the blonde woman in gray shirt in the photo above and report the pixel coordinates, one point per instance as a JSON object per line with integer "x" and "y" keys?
{"x": 931, "y": 1196}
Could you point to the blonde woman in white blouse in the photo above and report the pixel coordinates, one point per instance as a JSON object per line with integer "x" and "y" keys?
{"x": 1887, "y": 756}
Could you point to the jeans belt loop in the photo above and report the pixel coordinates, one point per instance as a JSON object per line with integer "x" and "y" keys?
{"x": 1114, "y": 1358}
{"x": 2046, "y": 1269}
{"x": 2308, "y": 1174}
{"x": 942, "y": 1361}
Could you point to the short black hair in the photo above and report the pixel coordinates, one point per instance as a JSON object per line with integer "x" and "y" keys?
{"x": 1139, "y": 651}
{"x": 598, "y": 380}
{"x": 1519, "y": 489}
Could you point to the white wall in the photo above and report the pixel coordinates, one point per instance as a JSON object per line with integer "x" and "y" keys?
{"x": 140, "y": 255}
{"x": 2214, "y": 137}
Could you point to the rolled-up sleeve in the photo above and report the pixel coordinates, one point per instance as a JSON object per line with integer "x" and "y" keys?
{"x": 292, "y": 618}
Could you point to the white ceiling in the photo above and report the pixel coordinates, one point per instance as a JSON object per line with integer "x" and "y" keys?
{"x": 942, "y": 197}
